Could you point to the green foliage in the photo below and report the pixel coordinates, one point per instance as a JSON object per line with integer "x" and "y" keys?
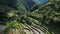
{"x": 14, "y": 25}
{"x": 5, "y": 13}
{"x": 46, "y": 17}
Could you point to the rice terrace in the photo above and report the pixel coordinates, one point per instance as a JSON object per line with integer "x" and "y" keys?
{"x": 29, "y": 16}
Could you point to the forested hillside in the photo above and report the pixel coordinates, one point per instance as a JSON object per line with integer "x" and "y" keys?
{"x": 30, "y": 16}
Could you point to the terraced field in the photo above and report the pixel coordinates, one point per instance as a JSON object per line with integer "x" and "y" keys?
{"x": 27, "y": 30}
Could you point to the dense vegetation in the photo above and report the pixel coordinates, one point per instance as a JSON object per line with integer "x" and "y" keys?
{"x": 45, "y": 16}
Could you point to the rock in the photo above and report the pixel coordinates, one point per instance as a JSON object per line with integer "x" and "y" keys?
{"x": 1, "y": 29}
